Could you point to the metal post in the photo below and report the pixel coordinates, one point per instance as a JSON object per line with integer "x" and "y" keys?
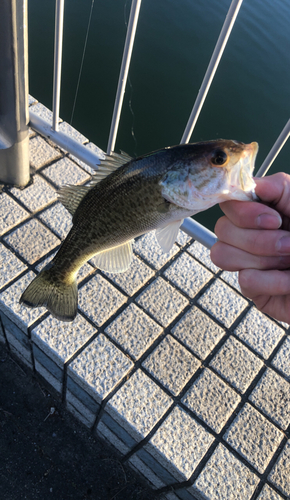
{"x": 131, "y": 30}
{"x": 58, "y": 36}
{"x": 212, "y": 67}
{"x": 14, "y": 147}
{"x": 274, "y": 151}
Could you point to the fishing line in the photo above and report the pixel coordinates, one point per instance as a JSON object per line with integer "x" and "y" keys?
{"x": 82, "y": 61}
{"x": 131, "y": 91}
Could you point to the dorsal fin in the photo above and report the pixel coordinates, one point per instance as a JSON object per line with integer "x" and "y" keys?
{"x": 71, "y": 196}
{"x": 110, "y": 163}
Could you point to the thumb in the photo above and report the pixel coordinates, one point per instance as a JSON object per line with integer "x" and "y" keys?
{"x": 275, "y": 190}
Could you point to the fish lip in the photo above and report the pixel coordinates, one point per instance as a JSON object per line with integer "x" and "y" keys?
{"x": 241, "y": 175}
{"x": 251, "y": 150}
{"x": 248, "y": 158}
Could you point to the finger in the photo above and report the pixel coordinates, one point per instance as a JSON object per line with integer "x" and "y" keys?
{"x": 275, "y": 189}
{"x": 254, "y": 241}
{"x": 255, "y": 282}
{"x": 231, "y": 258}
{"x": 277, "y": 306}
{"x": 251, "y": 215}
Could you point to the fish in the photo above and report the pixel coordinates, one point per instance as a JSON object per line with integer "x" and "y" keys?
{"x": 128, "y": 197}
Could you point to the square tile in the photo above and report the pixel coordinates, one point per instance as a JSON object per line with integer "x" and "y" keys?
{"x": 98, "y": 299}
{"x": 225, "y": 478}
{"x": 82, "y": 401}
{"x": 113, "y": 426}
{"x": 134, "y": 331}
{"x": 31, "y": 100}
{"x": 72, "y": 132}
{"x": 280, "y": 473}
{"x": 171, "y": 364}
{"x": 32, "y": 240}
{"x": 162, "y": 301}
{"x": 282, "y": 359}
{"x": 149, "y": 249}
{"x": 188, "y": 275}
{"x": 80, "y": 411}
{"x": 254, "y": 437}
{"x": 22, "y": 316}
{"x": 60, "y": 340}
{"x": 42, "y": 111}
{"x": 99, "y": 368}
{"x": 203, "y": 255}
{"x": 259, "y": 332}
{"x": 232, "y": 279}
{"x": 53, "y": 369}
{"x": 170, "y": 496}
{"x": 105, "y": 433}
{"x": 272, "y": 396}
{"x": 182, "y": 238}
{"x": 235, "y": 363}
{"x": 132, "y": 279}
{"x": 141, "y": 468}
{"x": 212, "y": 400}
{"x": 223, "y": 303}
{"x": 40, "y": 152}
{"x": 268, "y": 493}
{"x": 98, "y": 153}
{"x": 153, "y": 465}
{"x": 179, "y": 444}
{"x": 37, "y": 195}
{"x": 11, "y": 213}
{"x": 10, "y": 265}
{"x": 58, "y": 219}
{"x": 17, "y": 348}
{"x": 15, "y": 336}
{"x": 198, "y": 332}
{"x": 65, "y": 172}
{"x": 138, "y": 405}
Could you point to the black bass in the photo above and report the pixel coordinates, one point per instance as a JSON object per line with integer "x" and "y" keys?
{"x": 129, "y": 197}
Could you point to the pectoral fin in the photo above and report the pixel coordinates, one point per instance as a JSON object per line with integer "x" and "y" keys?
{"x": 167, "y": 235}
{"x": 115, "y": 260}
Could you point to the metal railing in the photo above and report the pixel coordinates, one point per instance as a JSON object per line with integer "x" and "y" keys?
{"x": 193, "y": 228}
{"x": 14, "y": 140}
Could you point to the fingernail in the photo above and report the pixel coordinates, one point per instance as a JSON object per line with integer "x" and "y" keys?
{"x": 268, "y": 221}
{"x": 283, "y": 245}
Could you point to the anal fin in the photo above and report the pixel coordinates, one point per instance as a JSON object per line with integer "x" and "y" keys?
{"x": 115, "y": 260}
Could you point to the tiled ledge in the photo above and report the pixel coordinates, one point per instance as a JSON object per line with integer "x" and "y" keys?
{"x": 167, "y": 362}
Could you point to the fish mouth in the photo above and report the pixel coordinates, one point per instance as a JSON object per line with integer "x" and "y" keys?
{"x": 243, "y": 173}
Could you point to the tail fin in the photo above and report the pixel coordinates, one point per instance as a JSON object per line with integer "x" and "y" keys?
{"x": 49, "y": 290}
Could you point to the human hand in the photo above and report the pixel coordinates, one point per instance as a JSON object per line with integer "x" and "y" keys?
{"x": 254, "y": 239}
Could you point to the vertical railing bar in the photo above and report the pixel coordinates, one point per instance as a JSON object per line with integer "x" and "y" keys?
{"x": 212, "y": 67}
{"x": 273, "y": 153}
{"x": 130, "y": 36}
{"x": 58, "y": 36}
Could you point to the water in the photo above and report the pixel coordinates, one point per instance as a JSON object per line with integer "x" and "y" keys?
{"x": 249, "y": 99}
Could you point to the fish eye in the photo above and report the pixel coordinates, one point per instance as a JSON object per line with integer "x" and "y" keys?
{"x": 219, "y": 158}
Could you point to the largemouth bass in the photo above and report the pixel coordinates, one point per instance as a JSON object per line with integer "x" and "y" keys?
{"x": 129, "y": 197}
